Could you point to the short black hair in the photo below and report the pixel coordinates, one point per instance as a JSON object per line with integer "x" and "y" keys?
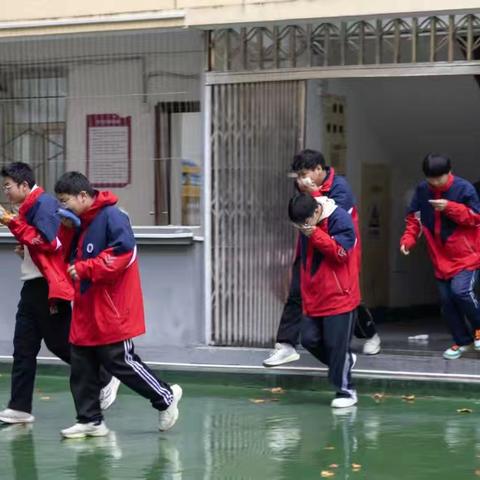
{"x": 301, "y": 207}
{"x": 436, "y": 165}
{"x": 19, "y": 172}
{"x": 72, "y": 183}
{"x": 307, "y": 160}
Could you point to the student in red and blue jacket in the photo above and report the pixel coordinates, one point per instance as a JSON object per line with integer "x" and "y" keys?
{"x": 314, "y": 177}
{"x": 446, "y": 209}
{"x": 329, "y": 287}
{"x": 44, "y": 310}
{"x": 108, "y": 308}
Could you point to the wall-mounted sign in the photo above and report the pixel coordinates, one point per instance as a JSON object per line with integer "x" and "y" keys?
{"x": 109, "y": 150}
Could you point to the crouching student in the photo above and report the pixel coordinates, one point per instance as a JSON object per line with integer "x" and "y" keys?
{"x": 446, "y": 209}
{"x": 107, "y": 309}
{"x": 329, "y": 287}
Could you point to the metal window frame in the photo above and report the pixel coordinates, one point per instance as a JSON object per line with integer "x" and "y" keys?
{"x": 352, "y": 71}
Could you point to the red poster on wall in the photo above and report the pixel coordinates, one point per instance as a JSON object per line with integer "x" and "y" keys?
{"x": 109, "y": 150}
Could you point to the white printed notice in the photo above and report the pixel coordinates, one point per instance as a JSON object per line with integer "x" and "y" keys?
{"x": 109, "y": 150}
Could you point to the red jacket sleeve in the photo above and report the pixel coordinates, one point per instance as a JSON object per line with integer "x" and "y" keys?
{"x": 462, "y": 214}
{"x": 106, "y": 266}
{"x": 332, "y": 250}
{"x": 412, "y": 231}
{"x": 31, "y": 237}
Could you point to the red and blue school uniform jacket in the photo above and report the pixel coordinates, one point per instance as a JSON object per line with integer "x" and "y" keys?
{"x": 36, "y": 227}
{"x": 337, "y": 188}
{"x": 329, "y": 279}
{"x": 108, "y": 304}
{"x": 453, "y": 235}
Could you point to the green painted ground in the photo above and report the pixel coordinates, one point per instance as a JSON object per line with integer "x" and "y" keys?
{"x": 222, "y": 434}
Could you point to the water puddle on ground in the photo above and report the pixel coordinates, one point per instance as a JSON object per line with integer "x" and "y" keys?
{"x": 248, "y": 433}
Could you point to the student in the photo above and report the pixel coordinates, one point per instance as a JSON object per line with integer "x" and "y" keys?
{"x": 108, "y": 308}
{"x": 314, "y": 177}
{"x": 446, "y": 209}
{"x": 44, "y": 310}
{"x": 329, "y": 287}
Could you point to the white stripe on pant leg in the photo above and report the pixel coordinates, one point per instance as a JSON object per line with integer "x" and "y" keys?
{"x": 348, "y": 360}
{"x": 129, "y": 362}
{"x": 472, "y": 286}
{"x": 146, "y": 376}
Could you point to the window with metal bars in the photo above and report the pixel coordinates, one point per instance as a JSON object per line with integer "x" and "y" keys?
{"x": 33, "y": 116}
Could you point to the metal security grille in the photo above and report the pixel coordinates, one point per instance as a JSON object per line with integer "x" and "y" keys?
{"x": 448, "y": 38}
{"x": 256, "y": 129}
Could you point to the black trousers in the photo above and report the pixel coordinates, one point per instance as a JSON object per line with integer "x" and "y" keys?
{"x": 120, "y": 360}
{"x": 328, "y": 339}
{"x": 291, "y": 319}
{"x": 34, "y": 323}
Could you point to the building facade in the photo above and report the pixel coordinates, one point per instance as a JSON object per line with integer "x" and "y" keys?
{"x": 191, "y": 112}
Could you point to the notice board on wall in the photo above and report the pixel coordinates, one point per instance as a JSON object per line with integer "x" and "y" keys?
{"x": 109, "y": 150}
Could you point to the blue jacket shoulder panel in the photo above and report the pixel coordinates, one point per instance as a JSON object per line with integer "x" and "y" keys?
{"x": 462, "y": 191}
{"x": 109, "y": 229}
{"x": 43, "y": 216}
{"x": 342, "y": 193}
{"x": 341, "y": 229}
{"x": 120, "y": 233}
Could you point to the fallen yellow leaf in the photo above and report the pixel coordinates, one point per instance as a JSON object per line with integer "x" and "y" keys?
{"x": 464, "y": 410}
{"x": 409, "y": 398}
{"x": 378, "y": 396}
{"x": 277, "y": 390}
{"x": 329, "y": 447}
{"x": 477, "y": 472}
{"x": 356, "y": 465}
{"x": 333, "y": 465}
{"x": 45, "y": 398}
{"x": 327, "y": 474}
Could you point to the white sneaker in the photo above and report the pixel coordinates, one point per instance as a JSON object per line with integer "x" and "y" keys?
{"x": 345, "y": 402}
{"x": 354, "y": 360}
{"x": 15, "y": 416}
{"x": 82, "y": 430}
{"x": 168, "y": 417}
{"x": 283, "y": 353}
{"x": 108, "y": 394}
{"x": 456, "y": 351}
{"x": 372, "y": 345}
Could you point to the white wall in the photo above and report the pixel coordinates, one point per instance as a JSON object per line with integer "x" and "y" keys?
{"x": 398, "y": 121}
